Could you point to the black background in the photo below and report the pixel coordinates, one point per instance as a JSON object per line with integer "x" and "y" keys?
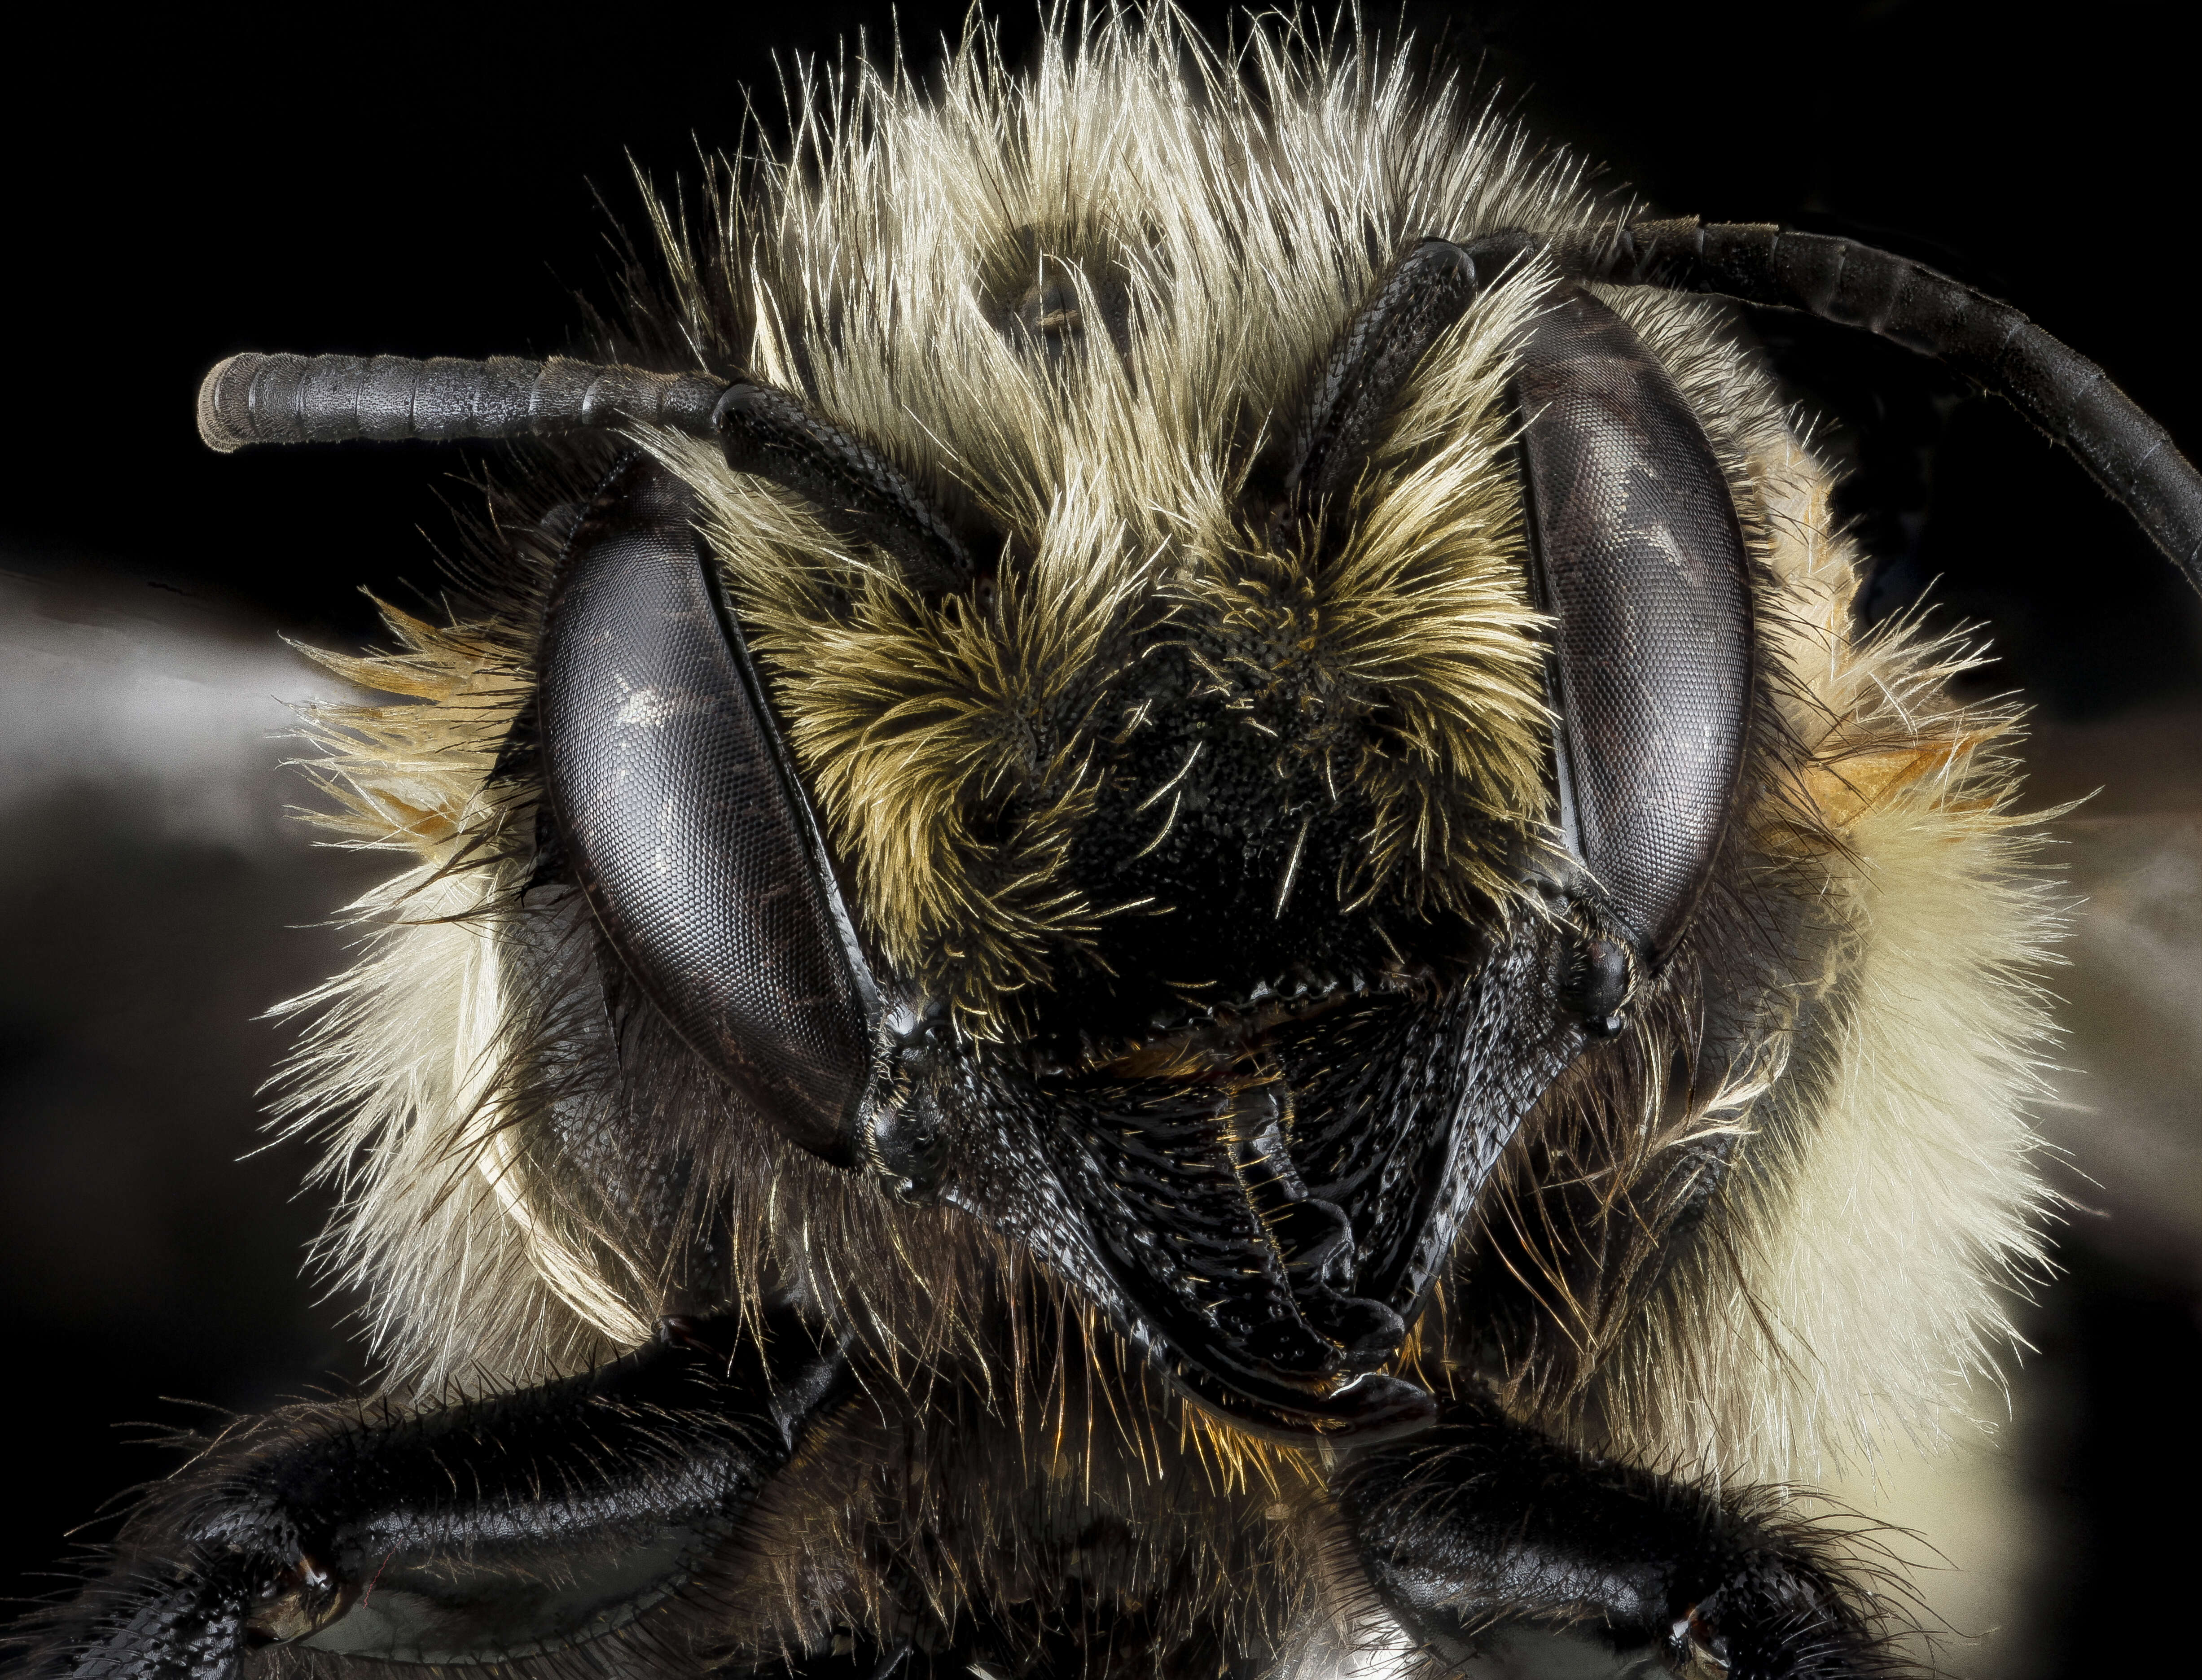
{"x": 427, "y": 180}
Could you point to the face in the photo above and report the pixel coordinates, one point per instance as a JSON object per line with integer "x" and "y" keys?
{"x": 1244, "y": 1112}
{"x": 1181, "y": 946}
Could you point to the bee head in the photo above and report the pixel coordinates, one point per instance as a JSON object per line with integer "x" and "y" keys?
{"x": 1198, "y": 889}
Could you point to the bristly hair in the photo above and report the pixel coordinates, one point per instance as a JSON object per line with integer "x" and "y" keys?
{"x": 1068, "y": 304}
{"x": 1210, "y": 225}
{"x": 1773, "y": 1249}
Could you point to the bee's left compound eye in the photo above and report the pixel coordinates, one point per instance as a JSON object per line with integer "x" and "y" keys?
{"x": 1636, "y": 554}
{"x": 691, "y": 832}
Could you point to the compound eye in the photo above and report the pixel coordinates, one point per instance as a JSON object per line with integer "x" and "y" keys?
{"x": 1637, "y": 555}
{"x": 689, "y": 828}
{"x": 1640, "y": 559}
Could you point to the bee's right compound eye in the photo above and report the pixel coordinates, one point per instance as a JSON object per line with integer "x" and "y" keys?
{"x": 673, "y": 793}
{"x": 688, "y": 825}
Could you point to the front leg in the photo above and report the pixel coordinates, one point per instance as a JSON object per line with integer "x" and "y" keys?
{"x": 488, "y": 1532}
{"x": 1494, "y": 1545}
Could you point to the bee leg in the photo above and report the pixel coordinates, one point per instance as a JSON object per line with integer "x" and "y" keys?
{"x": 487, "y": 1531}
{"x": 1491, "y": 1542}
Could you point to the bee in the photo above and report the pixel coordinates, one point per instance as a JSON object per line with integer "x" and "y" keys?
{"x": 1162, "y": 918}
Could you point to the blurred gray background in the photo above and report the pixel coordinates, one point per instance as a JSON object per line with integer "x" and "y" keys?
{"x": 428, "y": 183}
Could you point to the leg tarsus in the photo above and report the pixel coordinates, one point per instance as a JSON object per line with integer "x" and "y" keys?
{"x": 490, "y": 1530}
{"x": 1483, "y": 1531}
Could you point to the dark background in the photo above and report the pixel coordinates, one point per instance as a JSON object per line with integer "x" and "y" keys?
{"x": 426, "y": 181}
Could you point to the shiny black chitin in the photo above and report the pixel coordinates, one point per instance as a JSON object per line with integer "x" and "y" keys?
{"x": 1231, "y": 1352}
